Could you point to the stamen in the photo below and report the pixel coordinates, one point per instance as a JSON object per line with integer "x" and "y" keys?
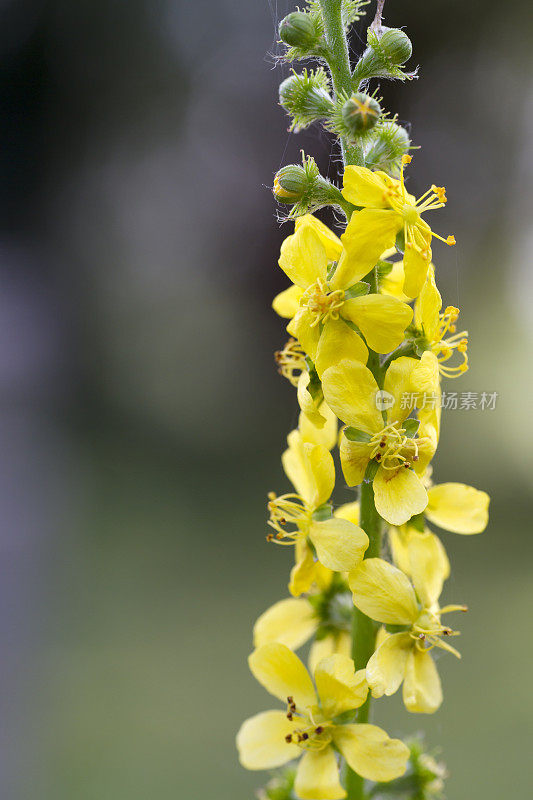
{"x": 291, "y": 361}
{"x": 321, "y": 303}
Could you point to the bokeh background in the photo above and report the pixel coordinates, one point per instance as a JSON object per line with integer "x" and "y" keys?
{"x": 141, "y": 416}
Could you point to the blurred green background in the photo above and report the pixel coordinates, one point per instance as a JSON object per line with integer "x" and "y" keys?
{"x": 142, "y": 418}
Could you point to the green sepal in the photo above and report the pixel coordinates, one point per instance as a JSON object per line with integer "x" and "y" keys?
{"x": 397, "y": 628}
{"x": 325, "y": 511}
{"x": 359, "y": 289}
{"x": 411, "y": 426}
{"x": 400, "y": 242}
{"x": 357, "y": 435}
{"x": 418, "y": 522}
{"x": 383, "y": 268}
{"x": 420, "y": 345}
{"x": 314, "y": 386}
{"x": 371, "y": 470}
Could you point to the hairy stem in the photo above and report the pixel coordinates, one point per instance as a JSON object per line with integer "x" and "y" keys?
{"x": 338, "y": 59}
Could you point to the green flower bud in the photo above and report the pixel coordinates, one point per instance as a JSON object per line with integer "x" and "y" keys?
{"x": 387, "y": 50}
{"x": 306, "y": 98}
{"x": 303, "y": 187}
{"x": 360, "y": 113}
{"x": 385, "y": 146}
{"x": 396, "y": 46}
{"x": 299, "y": 30}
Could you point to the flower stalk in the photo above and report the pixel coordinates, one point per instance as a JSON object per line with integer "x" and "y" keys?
{"x": 367, "y": 329}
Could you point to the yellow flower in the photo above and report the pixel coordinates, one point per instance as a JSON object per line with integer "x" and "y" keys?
{"x": 384, "y": 593}
{"x": 435, "y": 327}
{"x": 321, "y": 308}
{"x": 297, "y": 518}
{"x": 293, "y": 622}
{"x": 351, "y": 392}
{"x": 388, "y": 208}
{"x": 458, "y": 508}
{"x": 310, "y": 728}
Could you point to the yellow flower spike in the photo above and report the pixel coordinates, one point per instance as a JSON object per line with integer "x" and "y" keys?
{"x": 436, "y": 327}
{"x": 321, "y": 322}
{"x": 458, "y": 508}
{"x": 388, "y": 208}
{"x": 351, "y": 392}
{"x": 384, "y": 593}
{"x": 309, "y": 727}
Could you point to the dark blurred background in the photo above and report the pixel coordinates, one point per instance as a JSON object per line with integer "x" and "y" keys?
{"x": 142, "y": 419}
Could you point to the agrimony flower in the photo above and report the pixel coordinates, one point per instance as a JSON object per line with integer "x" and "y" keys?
{"x": 384, "y": 593}
{"x": 387, "y": 209}
{"x": 311, "y": 726}
{"x": 329, "y": 307}
{"x": 399, "y": 454}
{"x": 303, "y": 518}
{"x": 438, "y": 328}
{"x": 458, "y": 508}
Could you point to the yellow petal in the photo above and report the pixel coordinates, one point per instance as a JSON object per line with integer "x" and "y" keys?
{"x": 339, "y": 545}
{"x": 422, "y": 690}
{"x": 425, "y": 383}
{"x": 332, "y": 243}
{"x": 398, "y": 542}
{"x": 382, "y": 320}
{"x": 428, "y": 306}
{"x": 291, "y": 622}
{"x": 458, "y": 508}
{"x": 296, "y": 466}
{"x": 303, "y": 257}
{"x": 415, "y": 267}
{"x": 307, "y": 405}
{"x": 317, "y": 776}
{"x": 399, "y": 495}
{"x": 326, "y": 435}
{"x": 367, "y": 235}
{"x": 383, "y": 593}
{"x": 392, "y": 283}
{"x": 370, "y": 752}
{"x": 287, "y": 303}
{"x": 282, "y": 674}
{"x": 328, "y": 646}
{"x": 310, "y": 468}
{"x": 349, "y": 511}
{"x": 339, "y": 342}
{"x": 301, "y": 328}
{"x": 386, "y": 668}
{"x": 364, "y": 188}
{"x": 339, "y": 687}
{"x": 350, "y": 391}
{"x": 261, "y": 741}
{"x": 354, "y": 460}
{"x": 398, "y": 383}
{"x": 428, "y": 439}
{"x": 304, "y": 572}
{"x": 428, "y": 566}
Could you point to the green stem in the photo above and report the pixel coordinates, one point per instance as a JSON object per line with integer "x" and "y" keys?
{"x": 338, "y": 59}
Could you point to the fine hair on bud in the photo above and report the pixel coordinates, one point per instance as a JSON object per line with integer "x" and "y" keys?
{"x": 305, "y": 96}
{"x": 300, "y": 30}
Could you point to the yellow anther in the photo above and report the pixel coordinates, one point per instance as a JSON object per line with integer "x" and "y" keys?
{"x": 406, "y": 159}
{"x": 450, "y": 240}
{"x": 321, "y": 303}
{"x": 291, "y": 361}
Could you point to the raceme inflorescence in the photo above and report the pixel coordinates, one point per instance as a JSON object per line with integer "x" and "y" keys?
{"x": 369, "y": 345}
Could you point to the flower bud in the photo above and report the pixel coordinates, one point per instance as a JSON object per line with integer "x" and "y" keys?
{"x": 360, "y": 113}
{"x": 299, "y": 30}
{"x": 291, "y": 184}
{"x": 303, "y": 187}
{"x": 395, "y": 45}
{"x": 387, "y": 50}
{"x": 306, "y": 97}
{"x": 387, "y": 143}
